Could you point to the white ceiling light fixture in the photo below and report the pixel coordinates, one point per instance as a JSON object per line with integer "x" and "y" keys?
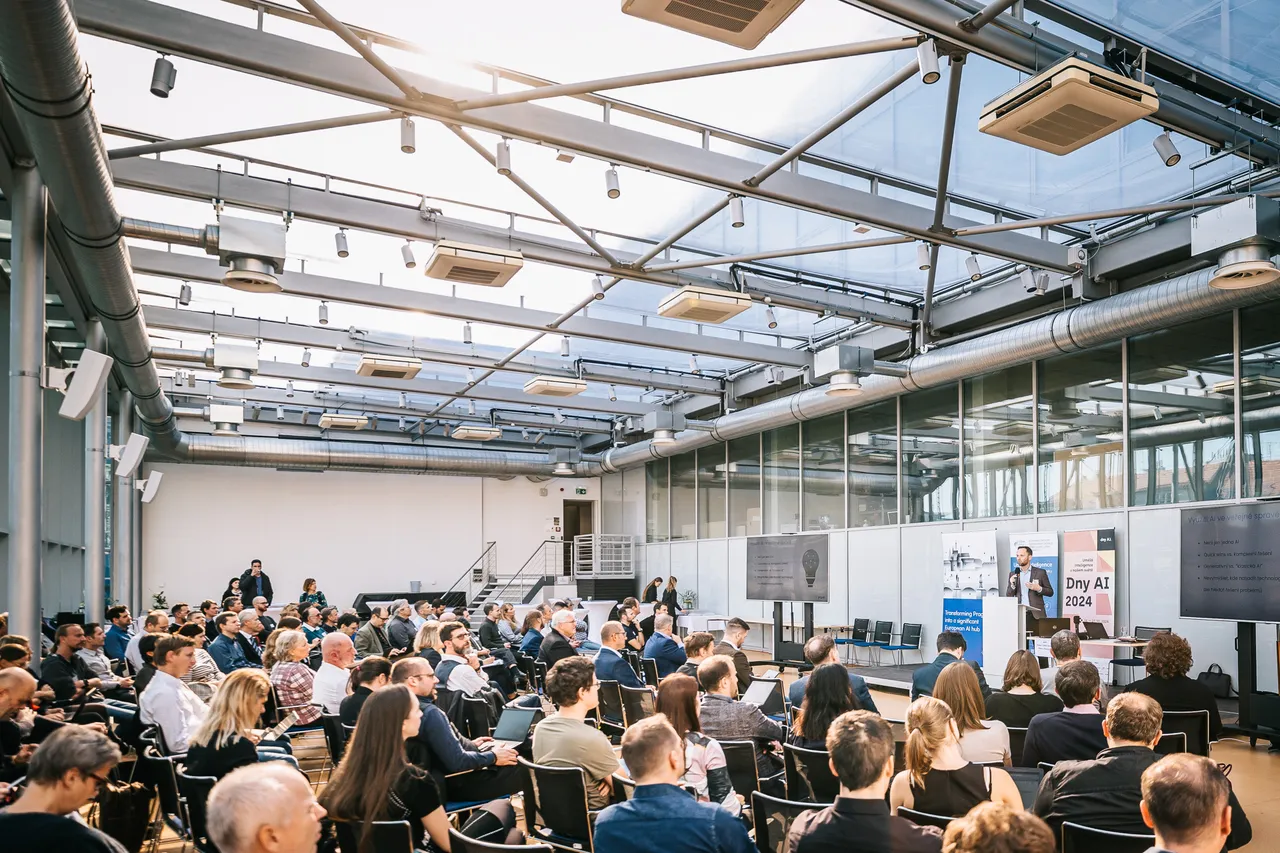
{"x": 404, "y": 400}
{"x": 288, "y": 388}
{"x": 466, "y": 333}
{"x": 737, "y": 219}
{"x": 770, "y": 317}
{"x": 163, "y": 76}
{"x": 279, "y": 413}
{"x": 340, "y": 242}
{"x": 613, "y": 393}
{"x": 184, "y": 294}
{"x": 693, "y": 364}
{"x": 612, "y": 187}
{"x": 406, "y": 252}
{"x": 537, "y": 439}
{"x": 859, "y": 228}
{"x": 597, "y": 287}
{"x": 400, "y": 426}
{"x": 330, "y": 420}
{"x": 1042, "y": 284}
{"x": 564, "y": 347}
{"x": 524, "y": 433}
{"x": 306, "y": 358}
{"x": 1166, "y": 149}
{"x": 324, "y": 313}
{"x": 1157, "y": 414}
{"x": 471, "y": 407}
{"x": 922, "y": 256}
{"x": 502, "y": 157}
{"x": 1028, "y": 279}
{"x": 971, "y": 264}
{"x": 408, "y": 143}
{"x": 388, "y": 366}
{"x": 927, "y": 56}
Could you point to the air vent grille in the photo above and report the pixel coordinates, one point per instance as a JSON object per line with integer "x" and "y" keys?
{"x": 743, "y": 23}
{"x": 730, "y": 16}
{"x": 703, "y": 305}
{"x": 479, "y": 265}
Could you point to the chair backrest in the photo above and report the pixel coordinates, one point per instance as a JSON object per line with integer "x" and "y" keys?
{"x": 924, "y": 818}
{"x": 195, "y": 790}
{"x": 740, "y": 760}
{"x": 560, "y": 801}
{"x": 475, "y": 716}
{"x": 772, "y": 819}
{"x": 899, "y": 756}
{"x": 540, "y": 670}
{"x": 611, "y": 700}
{"x": 637, "y": 703}
{"x": 911, "y": 634}
{"x": 335, "y": 735}
{"x": 1017, "y": 740}
{"x": 160, "y": 772}
{"x": 1084, "y": 839}
{"x": 1193, "y": 724}
{"x": 649, "y": 670}
{"x": 884, "y": 632}
{"x": 623, "y": 788}
{"x": 1171, "y": 743}
{"x": 860, "y": 628}
{"x": 1044, "y": 766}
{"x": 632, "y": 657}
{"x": 460, "y": 843}
{"x": 1028, "y": 781}
{"x": 809, "y": 776}
{"x": 389, "y": 836}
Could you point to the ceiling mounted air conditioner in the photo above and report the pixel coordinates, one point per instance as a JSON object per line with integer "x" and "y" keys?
{"x": 388, "y": 366}
{"x": 554, "y": 386}
{"x": 703, "y": 305}
{"x": 742, "y": 23}
{"x": 475, "y": 432}
{"x": 467, "y": 264}
{"x": 1068, "y": 106}
{"x": 348, "y": 422}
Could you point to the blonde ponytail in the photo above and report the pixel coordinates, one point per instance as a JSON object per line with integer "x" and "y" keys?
{"x": 928, "y": 722}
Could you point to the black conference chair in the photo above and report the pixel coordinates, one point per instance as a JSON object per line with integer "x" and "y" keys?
{"x": 637, "y": 703}
{"x": 1137, "y": 661}
{"x": 772, "y": 819}
{"x": 633, "y": 658}
{"x": 809, "y": 777}
{"x": 740, "y": 761}
{"x": 881, "y": 638}
{"x": 1193, "y": 724}
{"x": 389, "y": 836}
{"x": 1171, "y": 743}
{"x": 1028, "y": 781}
{"x": 1084, "y": 839}
{"x": 612, "y": 716}
{"x": 924, "y": 818}
{"x": 649, "y": 671}
{"x": 194, "y": 791}
{"x": 1017, "y": 740}
{"x": 335, "y": 735}
{"x": 856, "y": 633}
{"x": 460, "y": 843}
{"x": 908, "y": 641}
{"x": 623, "y": 788}
{"x": 540, "y": 673}
{"x": 475, "y": 716}
{"x": 555, "y": 806}
{"x": 159, "y": 770}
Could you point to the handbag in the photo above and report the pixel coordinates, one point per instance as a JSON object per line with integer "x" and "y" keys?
{"x": 124, "y": 813}
{"x": 1218, "y": 682}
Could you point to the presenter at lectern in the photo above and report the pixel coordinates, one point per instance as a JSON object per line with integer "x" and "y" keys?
{"x": 1029, "y": 585}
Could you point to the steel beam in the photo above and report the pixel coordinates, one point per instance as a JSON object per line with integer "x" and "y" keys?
{"x": 944, "y": 177}
{"x": 993, "y": 303}
{"x": 1166, "y": 244}
{"x": 204, "y": 39}
{"x": 353, "y": 41}
{"x": 195, "y": 268}
{"x": 95, "y": 495}
{"x": 26, "y": 401}
{"x": 794, "y": 252}
{"x": 246, "y": 135}
{"x": 986, "y": 15}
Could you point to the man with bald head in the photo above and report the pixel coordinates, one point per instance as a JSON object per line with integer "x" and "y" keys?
{"x": 266, "y": 807}
{"x": 330, "y": 685}
{"x": 17, "y": 686}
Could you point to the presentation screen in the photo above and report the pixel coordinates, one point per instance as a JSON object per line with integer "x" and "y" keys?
{"x": 788, "y": 568}
{"x": 1229, "y": 567}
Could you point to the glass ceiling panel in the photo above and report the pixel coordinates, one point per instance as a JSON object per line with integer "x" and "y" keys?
{"x": 1232, "y": 39}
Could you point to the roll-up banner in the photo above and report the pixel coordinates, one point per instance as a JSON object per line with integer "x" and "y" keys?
{"x": 1088, "y": 577}
{"x": 969, "y": 574}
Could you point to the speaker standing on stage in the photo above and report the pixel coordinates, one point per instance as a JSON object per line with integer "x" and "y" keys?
{"x": 1029, "y": 584}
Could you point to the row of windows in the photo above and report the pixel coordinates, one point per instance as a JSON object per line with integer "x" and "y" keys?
{"x": 1049, "y": 437}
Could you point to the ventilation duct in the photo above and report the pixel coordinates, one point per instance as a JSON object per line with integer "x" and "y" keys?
{"x": 1241, "y": 236}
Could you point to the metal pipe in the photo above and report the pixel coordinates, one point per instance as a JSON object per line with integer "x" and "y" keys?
{"x": 780, "y": 253}
{"x": 178, "y": 235}
{"x": 989, "y": 13}
{"x": 121, "y": 516}
{"x": 1100, "y": 215}
{"x": 353, "y": 41}
{"x": 202, "y": 357}
{"x": 940, "y": 201}
{"x": 254, "y": 133}
{"x": 95, "y": 494}
{"x": 139, "y": 603}
{"x": 691, "y": 72}
{"x": 898, "y": 78}
{"x": 26, "y": 401}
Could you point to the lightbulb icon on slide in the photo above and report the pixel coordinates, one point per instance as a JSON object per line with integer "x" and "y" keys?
{"x": 810, "y": 561}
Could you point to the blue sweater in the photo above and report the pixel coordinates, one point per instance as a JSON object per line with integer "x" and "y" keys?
{"x": 117, "y": 642}
{"x": 701, "y": 827}
{"x": 667, "y": 652}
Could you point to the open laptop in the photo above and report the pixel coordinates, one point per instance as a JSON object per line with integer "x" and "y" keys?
{"x": 767, "y": 696}
{"x": 514, "y": 726}
{"x": 1095, "y": 631}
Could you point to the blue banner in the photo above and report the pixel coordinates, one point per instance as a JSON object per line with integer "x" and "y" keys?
{"x": 964, "y": 616}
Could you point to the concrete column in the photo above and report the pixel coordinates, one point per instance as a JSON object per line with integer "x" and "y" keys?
{"x": 141, "y": 601}
{"x": 95, "y": 495}
{"x": 26, "y": 403}
{"x": 122, "y": 515}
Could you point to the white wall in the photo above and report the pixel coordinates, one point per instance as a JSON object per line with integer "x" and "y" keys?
{"x": 353, "y": 532}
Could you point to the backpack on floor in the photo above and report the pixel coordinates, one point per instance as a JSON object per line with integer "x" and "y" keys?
{"x": 124, "y": 813}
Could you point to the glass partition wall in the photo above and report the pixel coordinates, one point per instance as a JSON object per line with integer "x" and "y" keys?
{"x": 1156, "y": 419}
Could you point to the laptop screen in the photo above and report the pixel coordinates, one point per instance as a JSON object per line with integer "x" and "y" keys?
{"x": 514, "y": 724}
{"x": 759, "y": 691}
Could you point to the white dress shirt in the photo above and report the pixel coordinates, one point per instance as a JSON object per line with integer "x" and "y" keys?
{"x": 330, "y": 687}
{"x": 131, "y": 653}
{"x": 463, "y": 677}
{"x": 171, "y": 705}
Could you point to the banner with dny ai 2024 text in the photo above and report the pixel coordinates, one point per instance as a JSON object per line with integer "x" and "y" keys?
{"x": 1088, "y": 577}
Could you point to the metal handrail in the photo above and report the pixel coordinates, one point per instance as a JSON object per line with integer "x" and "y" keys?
{"x": 469, "y": 576}
{"x": 540, "y": 552}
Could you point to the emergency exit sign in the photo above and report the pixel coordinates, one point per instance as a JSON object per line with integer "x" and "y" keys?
{"x": 579, "y": 491}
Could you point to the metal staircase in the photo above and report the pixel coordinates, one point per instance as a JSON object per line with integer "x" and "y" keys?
{"x": 482, "y": 582}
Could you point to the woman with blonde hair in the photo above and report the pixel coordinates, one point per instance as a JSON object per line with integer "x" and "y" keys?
{"x": 938, "y": 780}
{"x": 226, "y": 739}
{"x": 269, "y": 648}
{"x": 427, "y": 644}
{"x": 981, "y": 741}
{"x": 507, "y": 627}
{"x": 293, "y": 680}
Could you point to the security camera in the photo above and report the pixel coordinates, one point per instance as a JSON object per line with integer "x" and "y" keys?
{"x": 129, "y": 455}
{"x": 150, "y": 486}
{"x": 81, "y": 385}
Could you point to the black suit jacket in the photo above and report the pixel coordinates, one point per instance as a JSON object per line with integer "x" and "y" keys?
{"x": 925, "y": 677}
{"x": 1035, "y": 600}
{"x": 247, "y": 585}
{"x": 741, "y": 666}
{"x": 555, "y": 648}
{"x": 250, "y": 653}
{"x": 268, "y": 625}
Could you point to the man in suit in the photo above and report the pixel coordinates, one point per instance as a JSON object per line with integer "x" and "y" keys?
{"x": 730, "y": 645}
{"x": 558, "y": 644}
{"x": 609, "y": 663}
{"x": 250, "y": 630}
{"x": 226, "y": 650}
{"x": 667, "y": 652}
{"x": 370, "y": 639}
{"x": 951, "y": 648}
{"x": 209, "y": 610}
{"x": 1030, "y": 585}
{"x": 254, "y": 583}
{"x": 822, "y": 649}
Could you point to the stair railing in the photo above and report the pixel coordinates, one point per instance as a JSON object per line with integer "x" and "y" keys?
{"x": 478, "y": 573}
{"x": 543, "y": 562}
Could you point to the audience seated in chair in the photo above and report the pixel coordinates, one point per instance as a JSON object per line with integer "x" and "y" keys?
{"x": 1168, "y": 660}
{"x": 998, "y": 828}
{"x": 66, "y": 771}
{"x": 558, "y": 643}
{"x": 655, "y": 757}
{"x": 459, "y": 669}
{"x": 113, "y": 686}
{"x": 367, "y": 677}
{"x": 1186, "y": 802}
{"x": 827, "y": 695}
{"x": 705, "y": 770}
{"x": 981, "y": 741}
{"x": 338, "y": 655}
{"x": 1064, "y": 647}
{"x": 1105, "y": 792}
{"x": 263, "y": 808}
{"x": 225, "y": 649}
{"x": 565, "y": 740}
{"x": 698, "y": 646}
{"x": 629, "y": 616}
{"x": 861, "y": 747}
{"x": 226, "y": 738}
{"x": 167, "y": 702}
{"x": 400, "y": 629}
{"x": 293, "y": 680}
{"x": 491, "y": 638}
{"x": 531, "y": 629}
{"x": 724, "y": 717}
{"x": 609, "y": 664}
{"x": 818, "y": 651}
{"x": 951, "y": 648}
{"x": 939, "y": 780}
{"x": 117, "y": 639}
{"x": 1075, "y": 732}
{"x": 427, "y": 643}
{"x": 730, "y": 645}
{"x": 371, "y": 638}
{"x": 667, "y": 652}
{"x": 157, "y": 623}
{"x": 376, "y": 782}
{"x": 1020, "y": 697}
{"x": 17, "y": 687}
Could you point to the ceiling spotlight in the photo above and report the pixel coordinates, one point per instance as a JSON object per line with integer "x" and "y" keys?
{"x": 564, "y": 347}
{"x": 404, "y": 400}
{"x": 927, "y": 56}
{"x": 524, "y": 433}
{"x": 163, "y": 76}
{"x": 446, "y": 429}
{"x": 693, "y": 364}
{"x": 537, "y": 439}
{"x": 843, "y": 384}
{"x": 324, "y": 313}
{"x": 466, "y": 333}
{"x": 401, "y": 425}
{"x": 340, "y": 240}
{"x": 1166, "y": 149}
{"x": 736, "y": 218}
{"x": 770, "y": 317}
{"x": 184, "y": 294}
{"x": 1042, "y": 284}
{"x": 597, "y": 287}
{"x": 971, "y": 264}
{"x": 1199, "y": 380}
{"x": 503, "y": 158}
{"x": 288, "y": 388}
{"x": 922, "y": 255}
{"x": 1028, "y": 279}
{"x": 191, "y": 380}
{"x": 611, "y": 182}
{"x": 559, "y": 416}
{"x": 306, "y": 358}
{"x": 613, "y": 393}
{"x": 1157, "y": 414}
{"x": 279, "y": 413}
{"x": 471, "y": 376}
{"x": 406, "y": 252}
{"x": 407, "y": 143}
{"x": 471, "y": 407}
